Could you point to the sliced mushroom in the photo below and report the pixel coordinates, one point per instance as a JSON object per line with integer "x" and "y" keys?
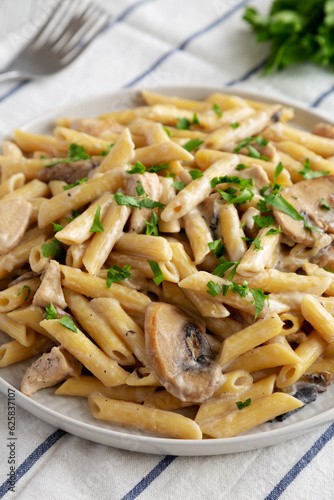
{"x": 51, "y": 368}
{"x": 152, "y": 186}
{"x": 14, "y": 220}
{"x": 324, "y": 130}
{"x": 180, "y": 354}
{"x": 50, "y": 289}
{"x": 307, "y": 198}
{"x": 68, "y": 172}
{"x": 210, "y": 210}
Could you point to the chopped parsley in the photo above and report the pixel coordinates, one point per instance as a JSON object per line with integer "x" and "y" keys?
{"x": 217, "y": 110}
{"x": 50, "y": 312}
{"x": 104, "y": 153}
{"x": 308, "y": 173}
{"x": 183, "y": 124}
{"x": 138, "y": 168}
{"x": 116, "y": 274}
{"x": 68, "y": 323}
{"x": 57, "y": 227}
{"x": 158, "y": 276}
{"x": 324, "y": 205}
{"x": 179, "y": 185}
{"x": 168, "y": 132}
{"x": 235, "y": 125}
{"x": 77, "y": 183}
{"x": 242, "y": 405}
{"x": 195, "y": 119}
{"x": 156, "y": 168}
{"x": 192, "y": 144}
{"x": 274, "y": 231}
{"x": 329, "y": 270}
{"x": 195, "y": 174}
{"x": 213, "y": 289}
{"x": 245, "y": 142}
{"x": 241, "y": 166}
{"x": 218, "y": 247}
{"x": 28, "y": 291}
{"x": 75, "y": 214}
{"x": 131, "y": 201}
{"x": 151, "y": 226}
{"x": 264, "y": 220}
{"x": 140, "y": 189}
{"x": 97, "y": 225}
{"x": 75, "y": 153}
{"x": 53, "y": 249}
{"x": 224, "y": 266}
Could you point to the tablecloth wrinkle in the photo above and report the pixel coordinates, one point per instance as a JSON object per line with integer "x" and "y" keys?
{"x": 149, "y": 43}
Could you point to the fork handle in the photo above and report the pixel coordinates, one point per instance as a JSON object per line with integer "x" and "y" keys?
{"x": 13, "y": 75}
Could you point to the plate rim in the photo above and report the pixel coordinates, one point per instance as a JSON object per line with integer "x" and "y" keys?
{"x": 159, "y": 445}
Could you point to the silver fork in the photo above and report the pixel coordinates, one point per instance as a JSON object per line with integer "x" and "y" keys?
{"x": 67, "y": 31}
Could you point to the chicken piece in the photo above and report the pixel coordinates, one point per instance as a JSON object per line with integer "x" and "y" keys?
{"x": 68, "y": 172}
{"x": 14, "y": 220}
{"x": 152, "y": 187}
{"x": 50, "y": 289}
{"x": 324, "y": 130}
{"x": 51, "y": 368}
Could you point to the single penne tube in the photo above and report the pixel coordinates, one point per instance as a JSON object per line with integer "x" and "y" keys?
{"x": 35, "y": 203}
{"x": 248, "y": 127}
{"x": 152, "y": 98}
{"x": 229, "y": 228}
{"x": 195, "y": 192}
{"x": 103, "y": 242}
{"x": 236, "y": 382}
{"x": 173, "y": 294}
{"x": 96, "y": 361}
{"x": 31, "y": 316}
{"x": 250, "y": 337}
{"x": 207, "y": 306}
{"x": 282, "y": 132}
{"x": 151, "y": 247}
{"x": 198, "y": 233}
{"x": 167, "y": 194}
{"x": 308, "y": 352}
{"x": 94, "y": 287}
{"x": 222, "y": 327}
{"x": 292, "y": 322}
{"x": 85, "y": 385}
{"x": 168, "y": 268}
{"x": 31, "y": 142}
{"x": 78, "y": 230}
{"x": 75, "y": 255}
{"x": 184, "y": 265}
{"x": 324, "y": 365}
{"x": 29, "y": 191}
{"x": 18, "y": 295}
{"x": 122, "y": 152}
{"x": 314, "y": 270}
{"x": 97, "y": 328}
{"x": 154, "y": 132}
{"x": 57, "y": 186}
{"x": 302, "y": 153}
{"x": 142, "y": 417}
{"x": 58, "y": 206}
{"x": 23, "y": 334}
{"x": 91, "y": 144}
{"x": 19, "y": 255}
{"x": 127, "y": 329}
{"x": 258, "y": 412}
{"x": 321, "y": 320}
{"x": 143, "y": 376}
{"x": 276, "y": 281}
{"x": 11, "y": 149}
{"x": 217, "y": 406}
{"x": 163, "y": 400}
{"x": 199, "y": 281}
{"x": 29, "y": 167}
{"x": 13, "y": 183}
{"x": 13, "y": 352}
{"x": 256, "y": 260}
{"x": 155, "y": 154}
{"x": 266, "y": 356}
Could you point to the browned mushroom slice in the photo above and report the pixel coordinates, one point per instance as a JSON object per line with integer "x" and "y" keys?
{"x": 152, "y": 187}
{"x": 14, "y": 220}
{"x": 180, "y": 354}
{"x": 309, "y": 198}
{"x": 51, "y": 368}
{"x": 324, "y": 130}
{"x": 50, "y": 289}
{"x": 68, "y": 172}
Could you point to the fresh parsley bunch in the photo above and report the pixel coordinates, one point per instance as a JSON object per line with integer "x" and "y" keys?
{"x": 299, "y": 30}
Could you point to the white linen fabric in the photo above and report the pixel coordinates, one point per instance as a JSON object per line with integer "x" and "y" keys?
{"x": 150, "y": 43}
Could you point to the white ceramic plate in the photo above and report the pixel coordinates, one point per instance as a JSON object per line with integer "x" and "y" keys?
{"x": 72, "y": 415}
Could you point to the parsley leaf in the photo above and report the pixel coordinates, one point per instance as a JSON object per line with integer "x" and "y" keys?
{"x": 264, "y": 220}
{"x": 324, "y": 205}
{"x": 57, "y": 227}
{"x": 178, "y": 185}
{"x": 213, "y": 288}
{"x": 140, "y": 189}
{"x": 195, "y": 174}
{"x": 116, "y": 274}
{"x": 168, "y": 132}
{"x": 277, "y": 201}
{"x": 183, "y": 123}
{"x": 329, "y": 270}
{"x": 308, "y": 173}
{"x": 151, "y": 226}
{"x": 192, "y": 144}
{"x": 195, "y": 119}
{"x": 131, "y": 201}
{"x": 278, "y": 170}
{"x": 158, "y": 276}
{"x": 97, "y": 225}
{"x": 235, "y": 125}
{"x": 241, "y": 166}
{"x": 104, "y": 153}
{"x": 259, "y": 297}
{"x": 75, "y": 214}
{"x": 138, "y": 168}
{"x": 242, "y": 405}
{"x": 218, "y": 247}
{"x": 77, "y": 152}
{"x": 243, "y": 197}
{"x": 28, "y": 290}
{"x": 156, "y": 168}
{"x": 77, "y": 183}
{"x": 50, "y": 312}
{"x": 245, "y": 142}
{"x": 68, "y": 323}
{"x": 53, "y": 249}
{"x": 224, "y": 266}
{"x": 217, "y": 110}
{"x": 274, "y": 231}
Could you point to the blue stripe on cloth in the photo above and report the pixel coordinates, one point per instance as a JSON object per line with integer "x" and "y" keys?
{"x": 186, "y": 42}
{"x": 301, "y": 464}
{"x": 323, "y": 96}
{"x": 120, "y": 18}
{"x": 32, "y": 459}
{"x": 247, "y": 75}
{"x": 149, "y": 478}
